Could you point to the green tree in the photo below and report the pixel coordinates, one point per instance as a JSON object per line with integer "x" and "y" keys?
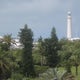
{"x": 76, "y": 54}
{"x": 51, "y": 49}
{"x": 66, "y": 53}
{"x": 26, "y": 39}
{"x": 41, "y": 49}
{"x": 7, "y": 60}
{"x": 5, "y": 66}
{"x": 7, "y": 40}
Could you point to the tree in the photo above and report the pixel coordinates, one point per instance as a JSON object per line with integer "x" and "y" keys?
{"x": 5, "y": 64}
{"x": 53, "y": 35}
{"x": 51, "y": 49}
{"x": 76, "y": 54}
{"x": 6, "y": 57}
{"x": 7, "y": 41}
{"x": 65, "y": 54}
{"x": 41, "y": 49}
{"x": 26, "y": 39}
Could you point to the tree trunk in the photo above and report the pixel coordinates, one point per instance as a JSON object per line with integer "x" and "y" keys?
{"x": 76, "y": 69}
{"x": 42, "y": 60}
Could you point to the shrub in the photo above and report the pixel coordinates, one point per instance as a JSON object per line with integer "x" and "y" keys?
{"x": 40, "y": 69}
{"x": 16, "y": 76}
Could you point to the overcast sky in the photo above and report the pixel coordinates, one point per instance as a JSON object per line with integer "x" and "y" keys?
{"x": 39, "y": 15}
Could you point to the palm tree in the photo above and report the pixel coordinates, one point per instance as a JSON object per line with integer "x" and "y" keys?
{"x": 4, "y": 65}
{"x": 7, "y": 40}
{"x": 6, "y": 57}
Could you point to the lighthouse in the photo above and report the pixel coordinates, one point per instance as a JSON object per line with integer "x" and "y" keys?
{"x": 69, "y": 26}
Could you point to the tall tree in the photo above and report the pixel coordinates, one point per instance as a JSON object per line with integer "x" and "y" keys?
{"x": 26, "y": 39}
{"x": 53, "y": 35}
{"x": 51, "y": 48}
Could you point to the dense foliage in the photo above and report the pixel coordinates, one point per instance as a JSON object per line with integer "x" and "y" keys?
{"x": 51, "y": 49}
{"x": 26, "y": 39}
{"x": 34, "y": 60}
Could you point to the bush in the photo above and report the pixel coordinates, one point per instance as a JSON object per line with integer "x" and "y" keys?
{"x": 36, "y": 57}
{"x": 16, "y": 76}
{"x": 40, "y": 69}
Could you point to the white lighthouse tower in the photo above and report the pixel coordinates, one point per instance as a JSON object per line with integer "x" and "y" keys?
{"x": 69, "y": 26}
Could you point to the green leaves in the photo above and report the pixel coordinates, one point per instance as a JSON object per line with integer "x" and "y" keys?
{"x": 26, "y": 39}
{"x": 51, "y": 49}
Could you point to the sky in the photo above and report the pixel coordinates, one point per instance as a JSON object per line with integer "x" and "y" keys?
{"x": 40, "y": 15}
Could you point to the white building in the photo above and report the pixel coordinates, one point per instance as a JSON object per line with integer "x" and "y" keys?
{"x": 69, "y": 28}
